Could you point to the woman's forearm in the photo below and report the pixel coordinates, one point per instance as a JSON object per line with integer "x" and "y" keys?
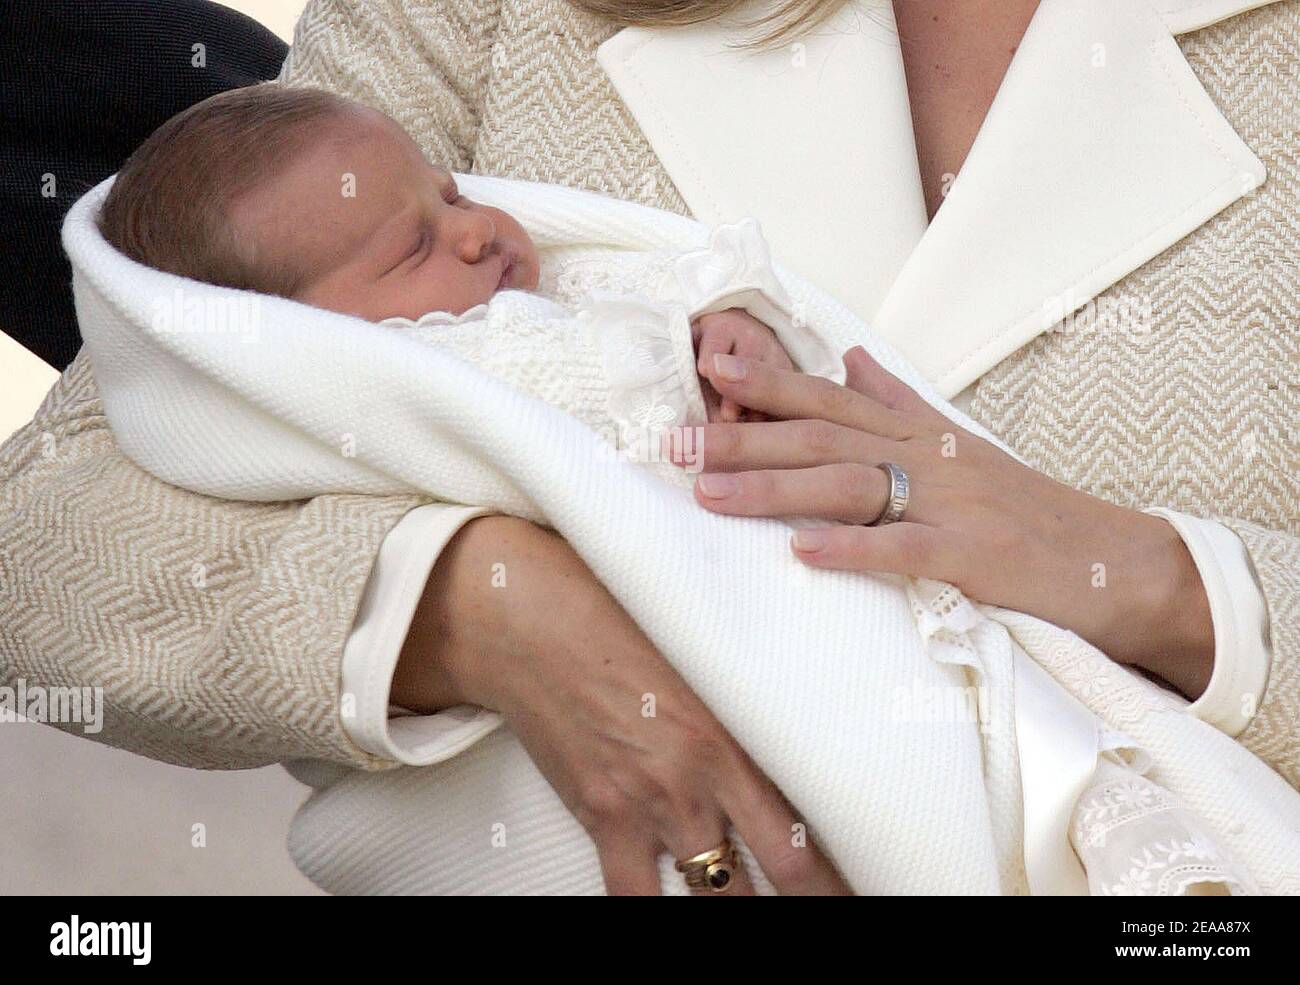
{"x": 500, "y": 586}
{"x": 457, "y": 617}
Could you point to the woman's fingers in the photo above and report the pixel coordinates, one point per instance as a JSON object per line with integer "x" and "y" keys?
{"x": 629, "y": 863}
{"x": 779, "y": 840}
{"x": 852, "y": 494}
{"x": 789, "y": 395}
{"x": 712, "y": 344}
{"x": 901, "y": 548}
{"x": 869, "y": 378}
{"x": 849, "y": 492}
{"x": 784, "y": 445}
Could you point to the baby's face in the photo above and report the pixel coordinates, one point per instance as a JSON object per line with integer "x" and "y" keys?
{"x": 380, "y": 231}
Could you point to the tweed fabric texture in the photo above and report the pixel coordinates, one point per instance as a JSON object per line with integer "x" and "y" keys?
{"x": 1180, "y": 385}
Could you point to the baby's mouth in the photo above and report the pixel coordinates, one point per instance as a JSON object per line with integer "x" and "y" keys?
{"x": 509, "y": 261}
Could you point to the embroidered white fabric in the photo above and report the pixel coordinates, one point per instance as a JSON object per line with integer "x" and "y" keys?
{"x": 1136, "y": 839}
{"x": 1132, "y": 836}
{"x": 624, "y": 366}
{"x": 648, "y": 357}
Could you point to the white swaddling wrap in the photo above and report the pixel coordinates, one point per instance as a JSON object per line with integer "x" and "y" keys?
{"x": 805, "y": 668}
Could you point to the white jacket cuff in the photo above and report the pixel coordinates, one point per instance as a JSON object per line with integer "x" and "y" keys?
{"x": 392, "y": 594}
{"x": 1242, "y": 656}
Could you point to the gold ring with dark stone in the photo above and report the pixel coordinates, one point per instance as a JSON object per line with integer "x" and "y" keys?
{"x": 713, "y": 870}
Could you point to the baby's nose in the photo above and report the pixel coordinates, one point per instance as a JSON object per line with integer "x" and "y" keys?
{"x": 478, "y": 233}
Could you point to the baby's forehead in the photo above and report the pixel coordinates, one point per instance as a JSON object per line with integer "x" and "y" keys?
{"x": 351, "y": 165}
{"x": 360, "y": 143}
{"x": 331, "y": 201}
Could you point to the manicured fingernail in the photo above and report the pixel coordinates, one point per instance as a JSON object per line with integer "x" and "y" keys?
{"x": 729, "y": 367}
{"x": 809, "y": 540}
{"x": 718, "y": 486}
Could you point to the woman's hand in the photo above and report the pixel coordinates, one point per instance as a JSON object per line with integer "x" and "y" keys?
{"x": 978, "y": 519}
{"x": 574, "y": 677}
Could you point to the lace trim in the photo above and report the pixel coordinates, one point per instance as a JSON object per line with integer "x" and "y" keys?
{"x": 435, "y": 319}
{"x": 940, "y": 607}
{"x": 1096, "y": 680}
{"x": 1131, "y": 835}
{"x": 1135, "y": 839}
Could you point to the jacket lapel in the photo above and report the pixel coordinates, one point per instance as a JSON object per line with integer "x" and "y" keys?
{"x": 1101, "y": 150}
{"x": 1185, "y": 16}
{"x": 814, "y": 140}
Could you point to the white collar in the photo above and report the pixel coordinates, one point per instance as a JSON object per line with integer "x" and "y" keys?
{"x": 1100, "y": 151}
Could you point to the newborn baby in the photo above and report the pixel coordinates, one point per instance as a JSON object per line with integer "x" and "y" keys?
{"x": 305, "y": 195}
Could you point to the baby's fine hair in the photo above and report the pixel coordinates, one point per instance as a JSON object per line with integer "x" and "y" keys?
{"x": 170, "y": 207}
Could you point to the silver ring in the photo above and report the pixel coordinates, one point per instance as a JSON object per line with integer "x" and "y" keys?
{"x": 900, "y": 488}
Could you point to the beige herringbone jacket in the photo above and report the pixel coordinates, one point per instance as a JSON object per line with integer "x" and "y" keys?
{"x": 217, "y": 629}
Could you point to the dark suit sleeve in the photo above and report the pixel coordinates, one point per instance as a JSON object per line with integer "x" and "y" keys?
{"x": 82, "y": 83}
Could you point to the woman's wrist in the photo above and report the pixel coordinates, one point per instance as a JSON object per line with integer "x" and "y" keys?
{"x": 1144, "y": 604}
{"x": 503, "y": 587}
{"x": 1165, "y": 626}
{"x": 461, "y": 623}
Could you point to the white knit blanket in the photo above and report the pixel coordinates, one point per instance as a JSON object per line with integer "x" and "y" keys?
{"x": 249, "y": 397}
